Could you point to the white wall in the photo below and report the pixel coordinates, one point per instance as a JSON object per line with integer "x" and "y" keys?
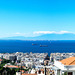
{"x": 18, "y": 73}
{"x": 74, "y": 73}
{"x": 33, "y": 71}
{"x": 70, "y": 67}
{"x": 59, "y": 65}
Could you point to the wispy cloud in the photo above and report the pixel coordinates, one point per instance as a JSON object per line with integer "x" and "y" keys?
{"x": 51, "y": 32}
{"x": 33, "y": 34}
{"x": 19, "y": 34}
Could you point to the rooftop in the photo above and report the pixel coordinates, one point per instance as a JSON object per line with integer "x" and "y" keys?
{"x": 11, "y": 66}
{"x": 28, "y": 74}
{"x": 68, "y": 61}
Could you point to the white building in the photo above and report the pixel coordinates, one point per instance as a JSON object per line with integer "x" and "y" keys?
{"x": 18, "y": 73}
{"x": 65, "y": 65}
{"x": 9, "y": 56}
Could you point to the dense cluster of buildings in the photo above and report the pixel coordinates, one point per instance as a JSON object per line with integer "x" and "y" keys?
{"x": 39, "y": 64}
{"x": 30, "y": 60}
{"x": 60, "y": 56}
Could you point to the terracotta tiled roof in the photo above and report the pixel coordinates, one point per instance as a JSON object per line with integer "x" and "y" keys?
{"x": 42, "y": 69}
{"x": 28, "y": 74}
{"x": 12, "y": 66}
{"x": 0, "y": 59}
{"x": 22, "y": 71}
{"x": 68, "y": 61}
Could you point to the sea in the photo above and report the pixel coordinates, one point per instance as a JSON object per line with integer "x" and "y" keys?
{"x": 37, "y": 46}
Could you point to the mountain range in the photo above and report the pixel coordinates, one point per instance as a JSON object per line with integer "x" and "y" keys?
{"x": 66, "y": 36}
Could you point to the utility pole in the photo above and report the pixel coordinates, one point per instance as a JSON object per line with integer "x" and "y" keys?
{"x": 21, "y": 67}
{"x": 45, "y": 70}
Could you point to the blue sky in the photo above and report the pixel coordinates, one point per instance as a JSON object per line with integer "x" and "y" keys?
{"x": 35, "y": 17}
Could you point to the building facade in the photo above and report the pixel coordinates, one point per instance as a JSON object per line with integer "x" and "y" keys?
{"x": 65, "y": 66}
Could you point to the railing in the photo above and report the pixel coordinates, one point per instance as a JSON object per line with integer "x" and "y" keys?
{"x": 70, "y": 67}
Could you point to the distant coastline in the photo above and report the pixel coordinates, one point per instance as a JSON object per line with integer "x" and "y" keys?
{"x": 65, "y": 36}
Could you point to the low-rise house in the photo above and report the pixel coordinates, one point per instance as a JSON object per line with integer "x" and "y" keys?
{"x": 18, "y": 57}
{"x": 33, "y": 71}
{"x": 11, "y": 66}
{"x": 19, "y": 73}
{"x": 66, "y": 65}
{"x": 1, "y": 55}
{"x": 41, "y": 72}
{"x": 28, "y": 74}
{"x": 29, "y": 64}
{"x": 9, "y": 57}
{"x": 1, "y": 61}
{"x": 46, "y": 62}
{"x": 22, "y": 71}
